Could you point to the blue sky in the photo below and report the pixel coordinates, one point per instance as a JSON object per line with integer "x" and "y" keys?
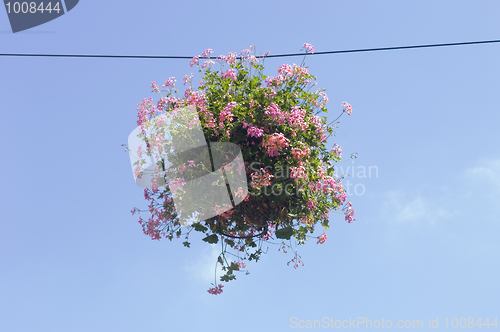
{"x": 425, "y": 240}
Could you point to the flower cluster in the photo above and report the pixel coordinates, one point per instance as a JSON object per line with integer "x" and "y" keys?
{"x": 240, "y": 193}
{"x": 298, "y": 173}
{"x": 337, "y": 150}
{"x": 262, "y": 178}
{"x": 347, "y": 108}
{"x": 230, "y": 74}
{"x": 226, "y": 113}
{"x": 322, "y": 238}
{"x": 187, "y": 79}
{"x": 274, "y": 143}
{"x": 308, "y": 47}
{"x": 253, "y": 131}
{"x": 297, "y": 118}
{"x": 276, "y": 123}
{"x": 275, "y": 113}
{"x": 300, "y": 153}
{"x": 349, "y": 213}
{"x": 216, "y": 290}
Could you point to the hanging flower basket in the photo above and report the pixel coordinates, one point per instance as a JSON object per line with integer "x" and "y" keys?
{"x": 242, "y": 158}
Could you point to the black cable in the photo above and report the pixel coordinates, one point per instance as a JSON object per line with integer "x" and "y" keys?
{"x": 259, "y": 56}
{"x": 391, "y": 48}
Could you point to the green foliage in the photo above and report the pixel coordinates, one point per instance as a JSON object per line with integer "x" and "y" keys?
{"x": 211, "y": 239}
{"x": 276, "y": 123}
{"x": 285, "y": 233}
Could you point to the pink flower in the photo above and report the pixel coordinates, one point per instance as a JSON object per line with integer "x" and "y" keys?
{"x": 261, "y": 178}
{"x": 311, "y": 205}
{"x": 206, "y": 53}
{"x": 138, "y": 172}
{"x": 297, "y": 118}
{"x": 224, "y": 210}
{"x": 206, "y": 64}
{"x": 231, "y": 105}
{"x": 155, "y": 87}
{"x": 216, "y": 290}
{"x": 308, "y": 47}
{"x": 241, "y": 265}
{"x": 295, "y": 262}
{"x": 275, "y": 113}
{"x": 275, "y": 81}
{"x": 285, "y": 70}
{"x": 169, "y": 82}
{"x": 210, "y": 123}
{"x": 316, "y": 120}
{"x": 194, "y": 61}
{"x": 254, "y": 131}
{"x": 170, "y": 100}
{"x": 139, "y": 151}
{"x": 275, "y": 143}
{"x": 300, "y": 72}
{"x": 187, "y": 78}
{"x": 322, "y": 238}
{"x": 337, "y": 150}
{"x": 226, "y": 113}
{"x": 239, "y": 193}
{"x": 230, "y": 74}
{"x": 188, "y": 92}
{"x": 231, "y": 58}
{"x": 271, "y": 94}
{"x": 349, "y": 213}
{"x": 182, "y": 168}
{"x": 299, "y": 153}
{"x": 324, "y": 96}
{"x": 298, "y": 173}
{"x": 176, "y": 183}
{"x": 347, "y": 108}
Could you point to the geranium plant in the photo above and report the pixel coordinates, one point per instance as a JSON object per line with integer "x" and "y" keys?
{"x": 277, "y": 124}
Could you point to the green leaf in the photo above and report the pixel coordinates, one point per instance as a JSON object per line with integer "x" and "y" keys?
{"x": 284, "y": 233}
{"x": 211, "y": 238}
{"x": 233, "y": 267}
{"x": 199, "y": 227}
{"x": 252, "y": 244}
{"x": 186, "y": 244}
{"x": 226, "y": 277}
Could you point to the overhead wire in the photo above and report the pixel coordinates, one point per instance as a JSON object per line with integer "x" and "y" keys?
{"x": 239, "y": 57}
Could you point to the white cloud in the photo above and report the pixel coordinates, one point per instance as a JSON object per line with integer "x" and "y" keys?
{"x": 482, "y": 184}
{"x": 474, "y": 186}
{"x": 487, "y": 172}
{"x": 203, "y": 268}
{"x": 416, "y": 211}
